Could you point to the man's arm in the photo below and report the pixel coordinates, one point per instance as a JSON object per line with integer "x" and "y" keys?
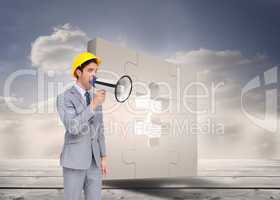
{"x": 73, "y": 123}
{"x": 101, "y": 136}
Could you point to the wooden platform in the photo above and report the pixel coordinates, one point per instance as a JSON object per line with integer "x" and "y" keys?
{"x": 217, "y": 179}
{"x": 152, "y": 194}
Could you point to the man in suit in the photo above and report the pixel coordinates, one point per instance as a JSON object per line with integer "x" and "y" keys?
{"x": 83, "y": 156}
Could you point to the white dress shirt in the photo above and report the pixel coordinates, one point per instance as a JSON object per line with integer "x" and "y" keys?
{"x": 81, "y": 90}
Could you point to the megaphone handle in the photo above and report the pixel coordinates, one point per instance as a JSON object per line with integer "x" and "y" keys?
{"x": 106, "y": 84}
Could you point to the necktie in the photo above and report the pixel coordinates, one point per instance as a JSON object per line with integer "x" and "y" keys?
{"x": 87, "y": 95}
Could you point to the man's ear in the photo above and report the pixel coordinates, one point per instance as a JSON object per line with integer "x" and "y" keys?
{"x": 78, "y": 72}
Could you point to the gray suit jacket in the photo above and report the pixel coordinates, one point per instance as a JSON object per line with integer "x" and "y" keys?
{"x": 84, "y": 136}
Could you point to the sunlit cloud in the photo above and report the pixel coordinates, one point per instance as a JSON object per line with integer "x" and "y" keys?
{"x": 56, "y": 51}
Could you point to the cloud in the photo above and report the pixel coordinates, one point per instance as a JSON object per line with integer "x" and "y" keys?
{"x": 214, "y": 70}
{"x": 215, "y": 67}
{"x": 211, "y": 66}
{"x": 6, "y": 101}
{"x": 210, "y": 60}
{"x": 11, "y": 99}
{"x": 56, "y": 51}
{"x": 38, "y": 135}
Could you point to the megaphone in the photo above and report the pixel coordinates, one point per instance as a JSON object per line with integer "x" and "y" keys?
{"x": 122, "y": 89}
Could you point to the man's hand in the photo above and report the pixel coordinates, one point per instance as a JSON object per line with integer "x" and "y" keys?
{"x": 104, "y": 167}
{"x": 98, "y": 99}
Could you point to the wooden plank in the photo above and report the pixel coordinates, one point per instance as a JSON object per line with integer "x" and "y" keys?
{"x": 238, "y": 167}
{"x": 190, "y": 182}
{"x": 212, "y": 174}
{"x": 206, "y": 167}
{"x": 194, "y": 194}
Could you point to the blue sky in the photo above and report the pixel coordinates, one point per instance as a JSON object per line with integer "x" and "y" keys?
{"x": 159, "y": 27}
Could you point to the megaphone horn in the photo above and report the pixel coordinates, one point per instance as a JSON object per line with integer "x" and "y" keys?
{"x": 122, "y": 88}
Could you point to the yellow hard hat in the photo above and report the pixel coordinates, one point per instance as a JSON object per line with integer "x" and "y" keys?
{"x": 81, "y": 58}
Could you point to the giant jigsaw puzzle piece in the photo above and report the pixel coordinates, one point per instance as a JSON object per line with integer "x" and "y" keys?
{"x": 145, "y": 143}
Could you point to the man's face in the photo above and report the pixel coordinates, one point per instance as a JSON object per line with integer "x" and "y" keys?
{"x": 86, "y": 76}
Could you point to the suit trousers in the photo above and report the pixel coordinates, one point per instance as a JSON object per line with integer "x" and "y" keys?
{"x": 77, "y": 180}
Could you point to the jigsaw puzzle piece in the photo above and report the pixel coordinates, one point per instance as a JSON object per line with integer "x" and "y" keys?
{"x": 113, "y": 57}
{"x": 150, "y": 161}
{"x": 117, "y": 166}
{"x": 153, "y": 152}
{"x": 183, "y": 141}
